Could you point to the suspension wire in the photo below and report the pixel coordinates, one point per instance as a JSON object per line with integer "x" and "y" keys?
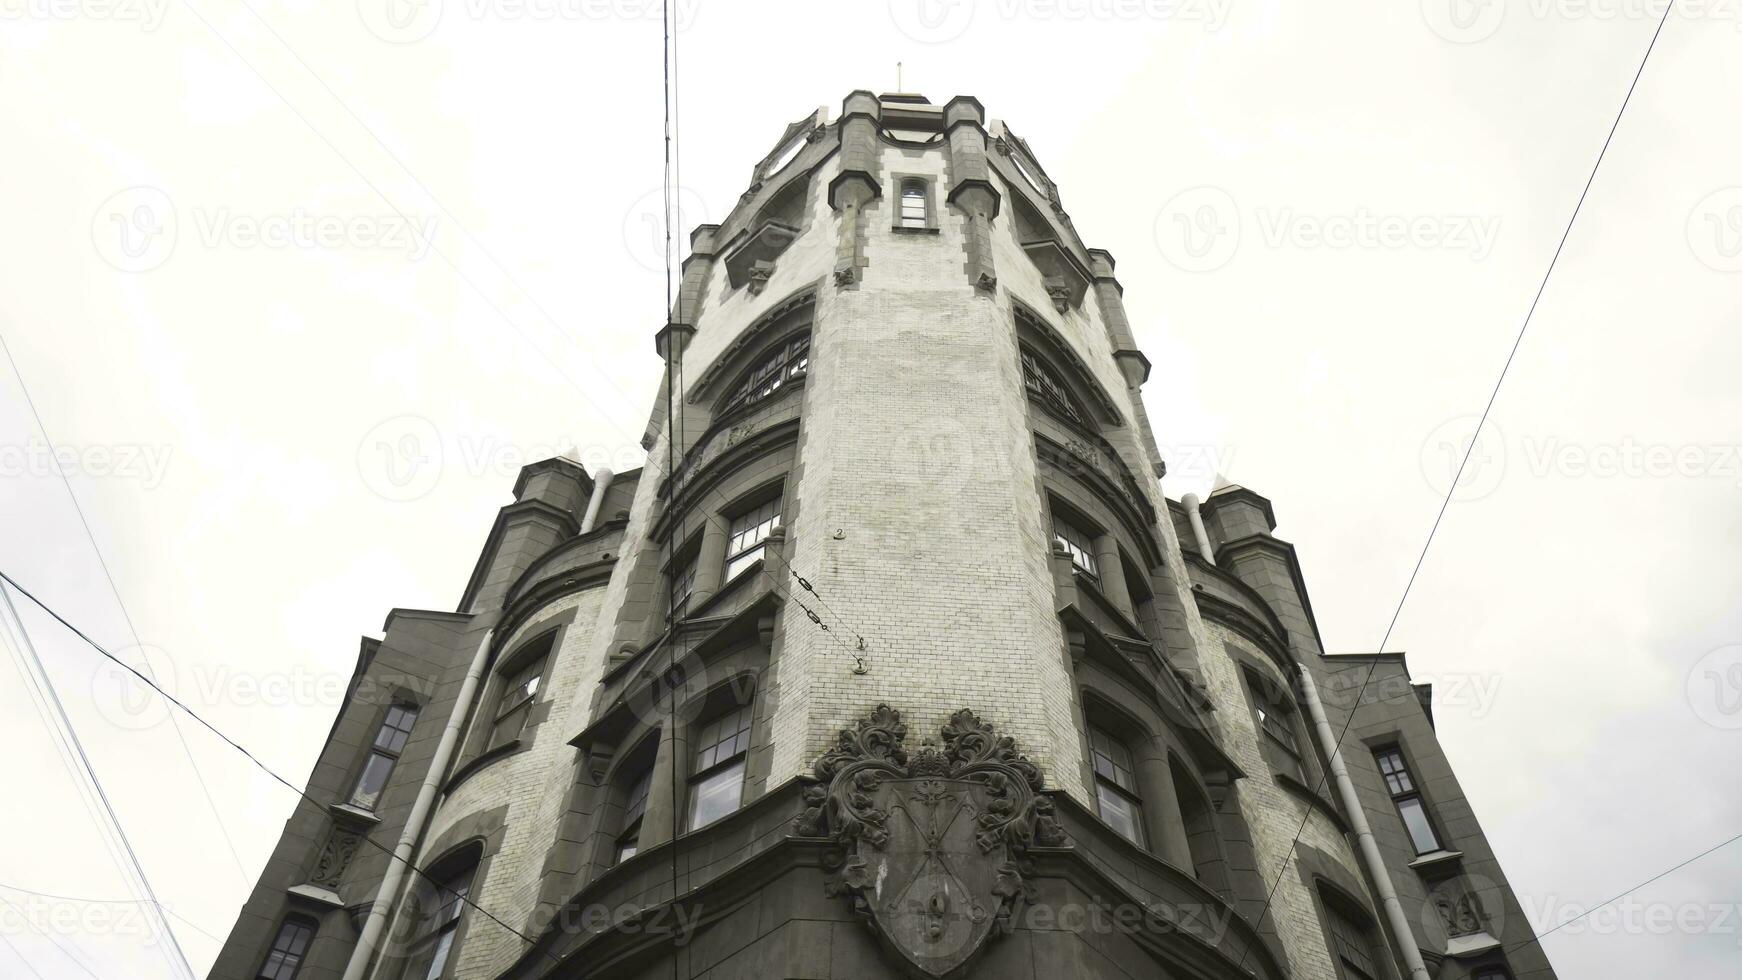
{"x": 60, "y": 711}
{"x": 263, "y": 767}
{"x": 1511, "y": 355}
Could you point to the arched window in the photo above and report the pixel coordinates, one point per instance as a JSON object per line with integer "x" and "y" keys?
{"x": 1045, "y": 387}
{"x": 717, "y": 772}
{"x": 289, "y": 948}
{"x": 520, "y": 685}
{"x": 785, "y": 362}
{"x": 1351, "y": 937}
{"x": 384, "y": 754}
{"x": 913, "y": 203}
{"x": 436, "y": 911}
{"x": 1116, "y": 793}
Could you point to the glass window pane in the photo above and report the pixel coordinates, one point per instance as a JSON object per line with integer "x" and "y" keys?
{"x": 1077, "y": 542}
{"x": 1421, "y": 833}
{"x": 509, "y": 725}
{"x": 288, "y": 947}
{"x": 1120, "y": 812}
{"x": 374, "y": 779}
{"x": 716, "y": 795}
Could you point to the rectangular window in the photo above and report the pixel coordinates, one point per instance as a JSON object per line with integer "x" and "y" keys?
{"x": 913, "y": 203}
{"x": 1352, "y": 946}
{"x": 683, "y": 582}
{"x": 1116, "y": 785}
{"x": 1076, "y": 541}
{"x": 1276, "y": 723}
{"x": 384, "y": 755}
{"x": 1410, "y": 806}
{"x": 287, "y": 952}
{"x": 436, "y": 921}
{"x": 629, "y": 839}
{"x": 717, "y": 780}
{"x": 515, "y": 704}
{"x": 748, "y": 532}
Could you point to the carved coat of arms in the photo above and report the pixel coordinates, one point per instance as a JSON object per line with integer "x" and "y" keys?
{"x": 933, "y": 846}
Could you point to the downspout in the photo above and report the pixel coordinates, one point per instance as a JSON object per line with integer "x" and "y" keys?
{"x": 1367, "y": 846}
{"x": 420, "y": 811}
{"x": 601, "y": 483}
{"x": 1196, "y": 517}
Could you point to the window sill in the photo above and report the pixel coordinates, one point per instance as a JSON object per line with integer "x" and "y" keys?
{"x": 356, "y": 816}
{"x": 482, "y": 761}
{"x": 1435, "y": 858}
{"x": 905, "y": 230}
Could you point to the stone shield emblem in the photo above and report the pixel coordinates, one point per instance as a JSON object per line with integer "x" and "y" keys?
{"x": 932, "y": 846}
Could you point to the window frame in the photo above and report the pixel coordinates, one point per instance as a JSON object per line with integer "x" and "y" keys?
{"x": 777, "y": 366}
{"x": 308, "y": 925}
{"x": 1083, "y": 558}
{"x": 1410, "y": 792}
{"x": 1125, "y": 789}
{"x": 1044, "y": 384}
{"x": 444, "y": 939}
{"x": 746, "y": 555}
{"x": 538, "y": 651}
{"x": 389, "y": 754}
{"x": 702, "y": 772}
{"x": 634, "y": 813}
{"x": 904, "y": 219}
{"x": 1358, "y": 939}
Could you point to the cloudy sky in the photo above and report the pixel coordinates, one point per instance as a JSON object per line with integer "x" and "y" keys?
{"x": 297, "y": 287}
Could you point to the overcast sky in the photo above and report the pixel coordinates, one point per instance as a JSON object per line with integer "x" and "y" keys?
{"x": 299, "y": 288}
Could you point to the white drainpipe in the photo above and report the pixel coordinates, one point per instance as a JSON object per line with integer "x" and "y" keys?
{"x": 601, "y": 483}
{"x": 1196, "y": 518}
{"x": 1368, "y": 847}
{"x": 405, "y": 852}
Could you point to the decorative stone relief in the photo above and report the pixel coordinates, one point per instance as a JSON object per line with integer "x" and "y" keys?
{"x": 1461, "y": 911}
{"x": 335, "y": 857}
{"x": 933, "y": 847}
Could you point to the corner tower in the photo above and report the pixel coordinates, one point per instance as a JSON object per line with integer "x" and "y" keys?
{"x": 904, "y": 664}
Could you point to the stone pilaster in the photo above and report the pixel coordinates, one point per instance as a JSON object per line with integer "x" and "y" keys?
{"x": 971, "y": 190}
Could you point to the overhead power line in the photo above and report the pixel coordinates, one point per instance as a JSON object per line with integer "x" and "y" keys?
{"x": 1470, "y": 448}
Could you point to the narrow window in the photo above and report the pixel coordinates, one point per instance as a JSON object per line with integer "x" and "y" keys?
{"x": 1044, "y": 386}
{"x": 717, "y": 778}
{"x": 288, "y": 949}
{"x": 1407, "y": 798}
{"x": 1116, "y": 785}
{"x": 384, "y": 755}
{"x": 786, "y": 361}
{"x": 683, "y": 582}
{"x": 435, "y": 918}
{"x": 748, "y": 532}
{"x": 1078, "y": 542}
{"x": 1351, "y": 944}
{"x": 629, "y": 838}
{"x": 913, "y": 204}
{"x": 515, "y": 703}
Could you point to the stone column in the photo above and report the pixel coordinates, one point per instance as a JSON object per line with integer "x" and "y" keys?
{"x": 710, "y": 562}
{"x": 662, "y": 803}
{"x": 1113, "y": 574}
{"x": 857, "y": 184}
{"x": 1165, "y": 823}
{"x": 971, "y": 190}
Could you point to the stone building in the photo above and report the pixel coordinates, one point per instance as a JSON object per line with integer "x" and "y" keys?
{"x": 906, "y": 666}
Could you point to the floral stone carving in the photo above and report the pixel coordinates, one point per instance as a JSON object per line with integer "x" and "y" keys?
{"x": 934, "y": 845}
